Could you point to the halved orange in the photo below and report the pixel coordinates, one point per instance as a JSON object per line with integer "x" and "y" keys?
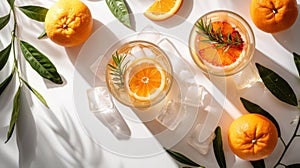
{"x": 220, "y": 56}
{"x": 163, "y": 9}
{"x": 145, "y": 79}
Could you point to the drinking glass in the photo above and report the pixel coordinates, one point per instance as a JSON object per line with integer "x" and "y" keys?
{"x": 222, "y": 44}
{"x": 139, "y": 75}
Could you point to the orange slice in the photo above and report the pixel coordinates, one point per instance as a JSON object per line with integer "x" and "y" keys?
{"x": 220, "y": 56}
{"x": 163, "y": 9}
{"x": 145, "y": 79}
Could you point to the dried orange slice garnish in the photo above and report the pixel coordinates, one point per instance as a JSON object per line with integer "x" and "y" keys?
{"x": 145, "y": 79}
{"x": 216, "y": 55}
{"x": 163, "y": 9}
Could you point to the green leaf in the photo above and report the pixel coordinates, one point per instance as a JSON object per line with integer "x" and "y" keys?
{"x": 218, "y": 148}
{"x": 42, "y": 35}
{"x": 11, "y": 3}
{"x": 4, "y": 54}
{"x": 37, "y": 13}
{"x": 5, "y": 83}
{"x": 40, "y": 63}
{"x": 181, "y": 158}
{"x": 277, "y": 85}
{"x": 258, "y": 163}
{"x": 254, "y": 108}
{"x": 297, "y": 62}
{"x": 297, "y": 165}
{"x": 119, "y": 9}
{"x": 4, "y": 20}
{"x": 36, "y": 93}
{"x": 14, "y": 115}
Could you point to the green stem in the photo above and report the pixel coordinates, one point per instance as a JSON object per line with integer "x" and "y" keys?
{"x": 13, "y": 41}
{"x": 288, "y": 145}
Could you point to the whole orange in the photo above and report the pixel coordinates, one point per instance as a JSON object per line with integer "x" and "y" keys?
{"x": 273, "y": 15}
{"x": 68, "y": 22}
{"x": 252, "y": 137}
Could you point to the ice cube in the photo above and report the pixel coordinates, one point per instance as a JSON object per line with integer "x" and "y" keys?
{"x": 201, "y": 147}
{"x": 171, "y": 115}
{"x": 101, "y": 104}
{"x": 128, "y": 59}
{"x": 187, "y": 77}
{"x": 149, "y": 53}
{"x": 137, "y": 52}
{"x": 99, "y": 99}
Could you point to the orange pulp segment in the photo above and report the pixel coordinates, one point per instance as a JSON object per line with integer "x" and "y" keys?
{"x": 146, "y": 79}
{"x": 220, "y": 56}
{"x": 163, "y": 9}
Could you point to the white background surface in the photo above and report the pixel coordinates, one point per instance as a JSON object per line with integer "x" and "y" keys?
{"x": 57, "y": 137}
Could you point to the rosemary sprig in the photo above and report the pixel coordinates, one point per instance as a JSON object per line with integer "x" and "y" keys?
{"x": 118, "y": 70}
{"x": 216, "y": 37}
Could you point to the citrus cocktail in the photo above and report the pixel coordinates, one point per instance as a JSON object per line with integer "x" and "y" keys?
{"x": 221, "y": 43}
{"x": 139, "y": 74}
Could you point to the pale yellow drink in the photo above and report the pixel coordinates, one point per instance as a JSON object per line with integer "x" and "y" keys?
{"x": 146, "y": 74}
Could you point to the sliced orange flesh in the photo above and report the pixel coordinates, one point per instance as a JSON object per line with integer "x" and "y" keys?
{"x": 220, "y": 56}
{"x": 163, "y": 9}
{"x": 146, "y": 80}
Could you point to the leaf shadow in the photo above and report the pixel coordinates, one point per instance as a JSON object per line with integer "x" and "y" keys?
{"x": 26, "y": 131}
{"x": 289, "y": 38}
{"x": 42, "y": 137}
{"x": 62, "y": 138}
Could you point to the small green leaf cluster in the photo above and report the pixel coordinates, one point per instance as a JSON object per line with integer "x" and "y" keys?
{"x": 38, "y": 61}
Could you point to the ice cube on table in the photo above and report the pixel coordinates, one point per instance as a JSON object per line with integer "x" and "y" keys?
{"x": 101, "y": 104}
{"x": 201, "y": 147}
{"x": 171, "y": 114}
{"x": 114, "y": 122}
{"x": 99, "y": 99}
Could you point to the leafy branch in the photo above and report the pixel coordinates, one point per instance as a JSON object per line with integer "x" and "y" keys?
{"x": 38, "y": 61}
{"x": 118, "y": 69}
{"x": 217, "y": 38}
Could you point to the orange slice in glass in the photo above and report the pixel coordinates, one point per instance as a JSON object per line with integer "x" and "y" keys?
{"x": 145, "y": 79}
{"x": 220, "y": 56}
{"x": 163, "y": 9}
